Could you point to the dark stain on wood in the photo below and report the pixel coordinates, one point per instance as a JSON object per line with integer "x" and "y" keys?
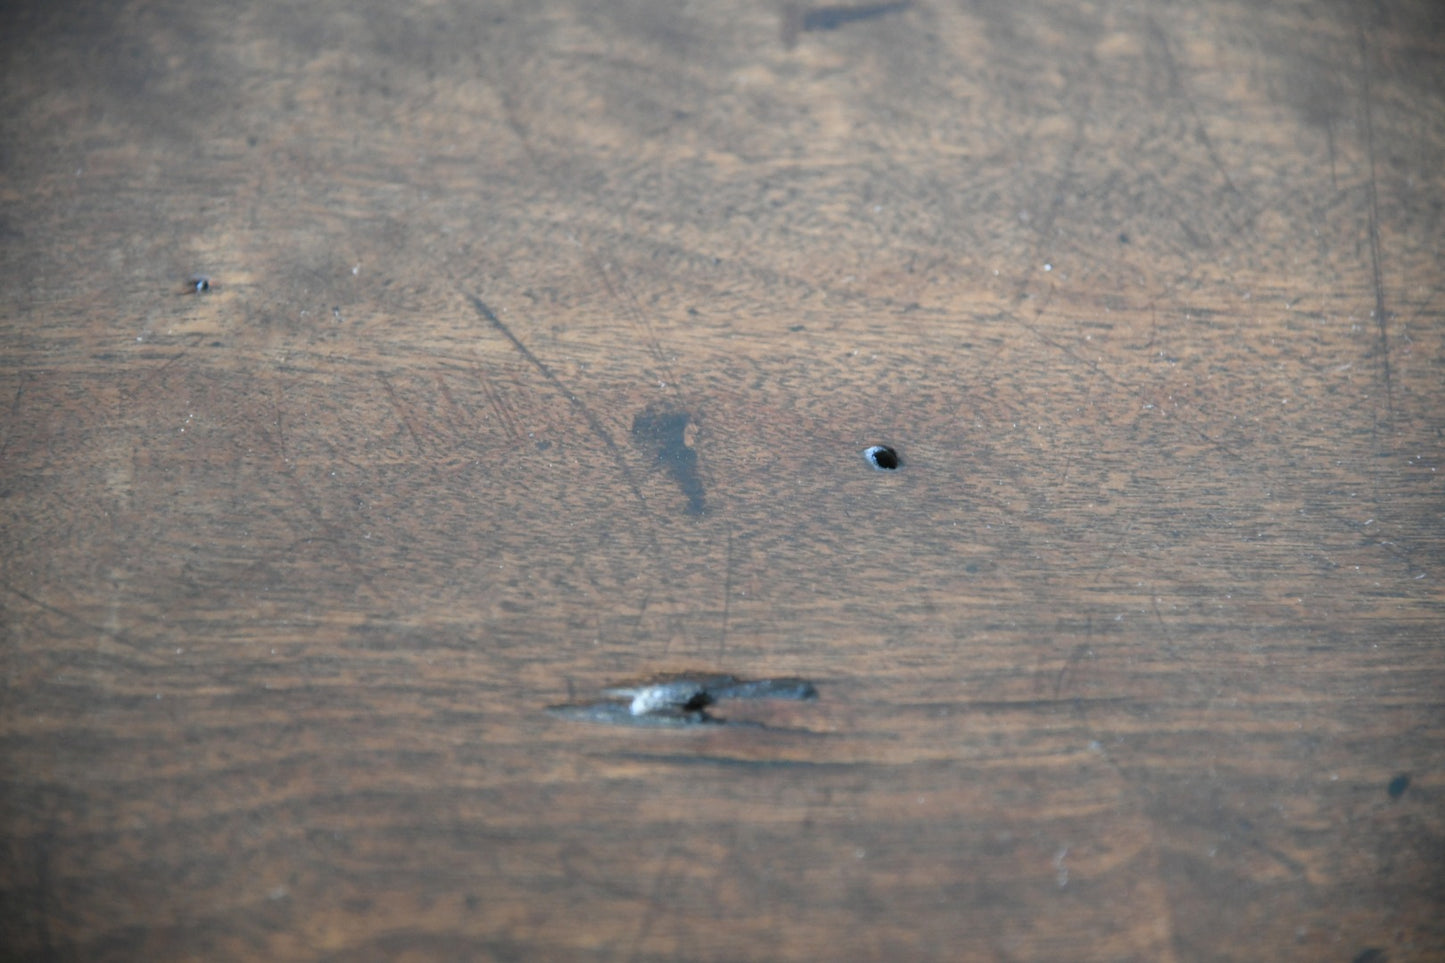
{"x": 664, "y": 434}
{"x": 799, "y": 19}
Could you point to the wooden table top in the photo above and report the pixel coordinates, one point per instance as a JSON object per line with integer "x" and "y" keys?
{"x": 540, "y": 348}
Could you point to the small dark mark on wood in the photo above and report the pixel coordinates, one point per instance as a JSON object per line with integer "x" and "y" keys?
{"x": 798, "y": 19}
{"x": 831, "y": 18}
{"x": 198, "y": 284}
{"x": 1398, "y": 785}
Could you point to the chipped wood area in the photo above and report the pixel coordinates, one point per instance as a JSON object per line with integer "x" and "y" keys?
{"x": 539, "y": 350}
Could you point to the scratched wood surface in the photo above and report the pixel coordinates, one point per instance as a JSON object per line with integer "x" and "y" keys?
{"x": 541, "y": 349}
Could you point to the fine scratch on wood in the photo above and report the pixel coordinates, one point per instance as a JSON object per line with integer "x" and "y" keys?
{"x": 304, "y": 499}
{"x": 401, "y": 411}
{"x": 1177, "y": 89}
{"x": 632, "y": 307}
{"x": 116, "y": 635}
{"x": 14, "y": 418}
{"x": 727, "y": 595}
{"x": 626, "y": 298}
{"x": 459, "y": 415}
{"x": 1098, "y": 369}
{"x": 504, "y": 414}
{"x": 1381, "y": 316}
{"x": 593, "y": 422}
{"x": 654, "y": 903}
{"x": 186, "y": 345}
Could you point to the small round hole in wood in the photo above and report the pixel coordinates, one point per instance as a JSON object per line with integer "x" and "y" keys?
{"x": 882, "y": 457}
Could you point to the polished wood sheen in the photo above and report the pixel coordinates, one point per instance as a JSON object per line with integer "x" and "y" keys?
{"x": 540, "y": 349}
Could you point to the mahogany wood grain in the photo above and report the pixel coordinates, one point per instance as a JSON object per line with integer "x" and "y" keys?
{"x": 542, "y": 347}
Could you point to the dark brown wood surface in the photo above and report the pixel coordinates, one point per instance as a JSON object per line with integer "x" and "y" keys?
{"x": 541, "y": 349}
